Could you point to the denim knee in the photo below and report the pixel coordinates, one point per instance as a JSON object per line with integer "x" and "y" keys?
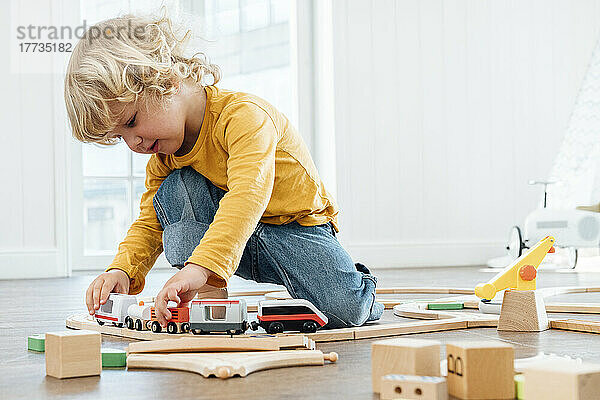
{"x": 353, "y": 308}
{"x": 185, "y": 218}
{"x": 186, "y": 188}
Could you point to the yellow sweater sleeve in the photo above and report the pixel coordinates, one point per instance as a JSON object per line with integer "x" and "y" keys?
{"x": 250, "y": 140}
{"x": 142, "y": 245}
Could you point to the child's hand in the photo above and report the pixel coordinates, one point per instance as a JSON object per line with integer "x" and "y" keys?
{"x": 97, "y": 293}
{"x": 181, "y": 288}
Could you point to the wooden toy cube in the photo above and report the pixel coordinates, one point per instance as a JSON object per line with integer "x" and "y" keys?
{"x": 404, "y": 356}
{"x": 554, "y": 380}
{"x": 73, "y": 353}
{"x": 481, "y": 370}
{"x": 413, "y": 387}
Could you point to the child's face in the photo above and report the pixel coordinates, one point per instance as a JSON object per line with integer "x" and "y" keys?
{"x": 156, "y": 130}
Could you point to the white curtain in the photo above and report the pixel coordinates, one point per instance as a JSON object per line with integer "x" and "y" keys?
{"x": 576, "y": 168}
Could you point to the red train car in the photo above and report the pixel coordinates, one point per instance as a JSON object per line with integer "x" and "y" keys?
{"x": 179, "y": 322}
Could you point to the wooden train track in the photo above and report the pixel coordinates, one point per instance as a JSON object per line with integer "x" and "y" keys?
{"x": 426, "y": 320}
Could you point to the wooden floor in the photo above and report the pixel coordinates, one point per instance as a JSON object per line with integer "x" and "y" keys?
{"x": 37, "y": 306}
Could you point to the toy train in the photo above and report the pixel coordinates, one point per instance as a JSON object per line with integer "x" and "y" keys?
{"x": 213, "y": 316}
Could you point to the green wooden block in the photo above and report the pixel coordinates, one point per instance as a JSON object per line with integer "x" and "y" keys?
{"x": 519, "y": 386}
{"x": 112, "y": 358}
{"x": 37, "y": 342}
{"x": 445, "y": 306}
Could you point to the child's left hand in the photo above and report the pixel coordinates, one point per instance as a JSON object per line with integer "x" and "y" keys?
{"x": 181, "y": 288}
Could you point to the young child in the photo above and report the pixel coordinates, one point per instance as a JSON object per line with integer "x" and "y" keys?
{"x": 231, "y": 187}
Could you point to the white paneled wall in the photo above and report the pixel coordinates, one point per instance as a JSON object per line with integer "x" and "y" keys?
{"x": 32, "y": 208}
{"x": 444, "y": 110}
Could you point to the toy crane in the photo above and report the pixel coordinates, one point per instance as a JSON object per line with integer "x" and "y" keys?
{"x": 521, "y": 274}
{"x": 522, "y": 307}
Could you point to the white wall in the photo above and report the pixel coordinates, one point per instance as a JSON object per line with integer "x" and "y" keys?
{"x": 32, "y": 208}
{"x": 444, "y": 110}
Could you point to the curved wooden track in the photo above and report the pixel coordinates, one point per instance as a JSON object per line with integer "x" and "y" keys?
{"x": 427, "y": 320}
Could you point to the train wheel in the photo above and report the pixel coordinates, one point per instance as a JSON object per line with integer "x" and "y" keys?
{"x": 275, "y": 327}
{"x": 156, "y": 328}
{"x": 185, "y": 327}
{"x": 171, "y": 327}
{"x": 138, "y": 325}
{"x": 129, "y": 322}
{"x": 309, "y": 327}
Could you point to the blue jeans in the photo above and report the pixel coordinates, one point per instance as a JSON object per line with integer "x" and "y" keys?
{"x": 308, "y": 260}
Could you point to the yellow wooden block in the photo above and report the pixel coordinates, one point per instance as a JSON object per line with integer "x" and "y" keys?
{"x": 413, "y": 387}
{"x": 404, "y": 356}
{"x": 559, "y": 380}
{"x": 73, "y": 353}
{"x": 480, "y": 370}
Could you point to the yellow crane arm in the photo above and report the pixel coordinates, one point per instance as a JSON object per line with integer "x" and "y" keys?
{"x": 521, "y": 274}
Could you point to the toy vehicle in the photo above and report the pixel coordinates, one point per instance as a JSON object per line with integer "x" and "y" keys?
{"x": 138, "y": 317}
{"x": 115, "y": 309}
{"x": 179, "y": 322}
{"x": 276, "y": 316}
{"x": 573, "y": 229}
{"x": 218, "y": 315}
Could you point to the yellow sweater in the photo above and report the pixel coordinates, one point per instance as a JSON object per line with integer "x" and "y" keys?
{"x": 249, "y": 149}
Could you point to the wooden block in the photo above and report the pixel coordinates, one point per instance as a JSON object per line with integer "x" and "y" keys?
{"x": 73, "y": 353}
{"x": 480, "y": 370}
{"x": 113, "y": 358}
{"x": 413, "y": 387}
{"x": 226, "y": 365}
{"x": 37, "y": 342}
{"x": 560, "y": 380}
{"x": 576, "y": 325}
{"x": 523, "y": 311}
{"x": 404, "y": 356}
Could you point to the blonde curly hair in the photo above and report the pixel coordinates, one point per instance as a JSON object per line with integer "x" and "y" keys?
{"x": 123, "y": 60}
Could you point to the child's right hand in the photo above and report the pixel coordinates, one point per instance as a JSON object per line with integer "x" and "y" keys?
{"x": 97, "y": 293}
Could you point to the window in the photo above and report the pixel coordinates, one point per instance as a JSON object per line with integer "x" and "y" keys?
{"x": 107, "y": 307}
{"x": 248, "y": 39}
{"x": 215, "y": 313}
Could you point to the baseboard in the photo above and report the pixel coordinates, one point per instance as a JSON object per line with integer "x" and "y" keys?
{"x": 31, "y": 264}
{"x": 432, "y": 254}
